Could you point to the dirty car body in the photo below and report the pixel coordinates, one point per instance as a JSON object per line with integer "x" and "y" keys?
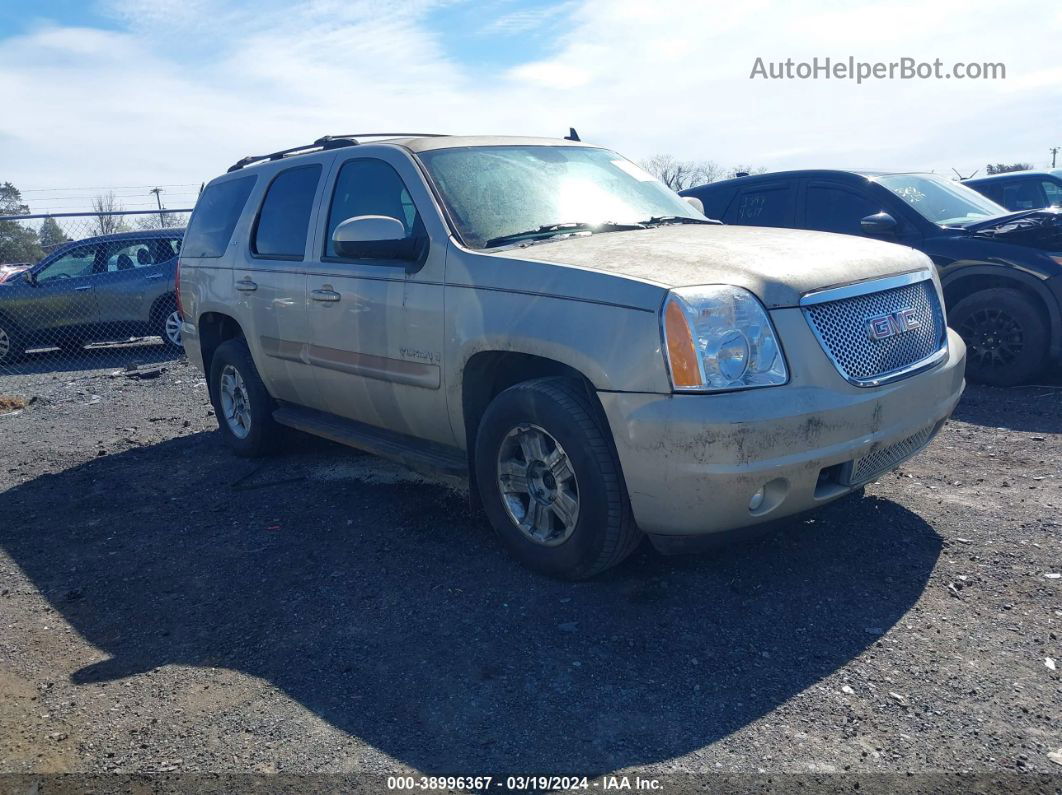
{"x": 724, "y": 376}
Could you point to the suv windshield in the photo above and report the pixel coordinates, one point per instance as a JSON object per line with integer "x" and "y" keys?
{"x": 940, "y": 200}
{"x": 498, "y": 195}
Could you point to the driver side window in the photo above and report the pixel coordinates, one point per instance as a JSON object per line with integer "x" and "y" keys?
{"x": 369, "y": 187}
{"x": 78, "y": 262}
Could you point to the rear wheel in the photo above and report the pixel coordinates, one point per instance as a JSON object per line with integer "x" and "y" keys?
{"x": 12, "y": 346}
{"x": 168, "y": 327}
{"x": 550, "y": 482}
{"x": 243, "y": 406}
{"x": 1006, "y": 336}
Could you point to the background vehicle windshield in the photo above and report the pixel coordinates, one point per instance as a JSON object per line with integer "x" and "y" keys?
{"x": 496, "y": 191}
{"x": 940, "y": 200}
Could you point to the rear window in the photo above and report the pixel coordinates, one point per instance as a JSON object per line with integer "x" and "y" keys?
{"x": 215, "y": 216}
{"x": 285, "y": 214}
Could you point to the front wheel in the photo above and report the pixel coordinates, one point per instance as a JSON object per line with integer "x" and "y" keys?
{"x": 1006, "y": 336}
{"x": 243, "y": 406}
{"x": 550, "y": 482}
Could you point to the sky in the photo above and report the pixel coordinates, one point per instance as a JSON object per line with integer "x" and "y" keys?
{"x": 127, "y": 94}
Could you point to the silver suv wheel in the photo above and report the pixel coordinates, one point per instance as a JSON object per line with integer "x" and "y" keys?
{"x": 172, "y": 328}
{"x": 538, "y": 485}
{"x": 235, "y": 404}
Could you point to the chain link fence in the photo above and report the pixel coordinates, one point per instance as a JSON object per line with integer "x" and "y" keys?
{"x": 85, "y": 292}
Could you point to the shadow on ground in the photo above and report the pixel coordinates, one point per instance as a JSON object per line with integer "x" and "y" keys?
{"x": 391, "y": 612}
{"x": 1034, "y": 409}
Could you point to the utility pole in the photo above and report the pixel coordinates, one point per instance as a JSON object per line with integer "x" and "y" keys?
{"x": 158, "y": 198}
{"x": 1054, "y": 153}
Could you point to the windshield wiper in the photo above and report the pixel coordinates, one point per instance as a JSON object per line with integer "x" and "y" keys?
{"x": 564, "y": 228}
{"x": 660, "y": 220}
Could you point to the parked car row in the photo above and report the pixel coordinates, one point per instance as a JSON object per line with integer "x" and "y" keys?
{"x": 599, "y": 358}
{"x": 1001, "y": 271}
{"x": 99, "y": 289}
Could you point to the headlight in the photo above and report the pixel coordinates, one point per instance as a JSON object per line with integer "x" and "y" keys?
{"x": 720, "y": 338}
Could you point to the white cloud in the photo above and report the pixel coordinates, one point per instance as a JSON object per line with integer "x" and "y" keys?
{"x": 188, "y": 86}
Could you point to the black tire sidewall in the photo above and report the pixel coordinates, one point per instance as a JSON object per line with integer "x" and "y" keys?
{"x": 262, "y": 435}
{"x": 1034, "y": 335}
{"x": 527, "y": 406}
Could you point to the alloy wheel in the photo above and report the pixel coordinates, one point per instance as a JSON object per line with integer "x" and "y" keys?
{"x": 538, "y": 485}
{"x": 993, "y": 337}
{"x": 235, "y": 403}
{"x": 173, "y": 328}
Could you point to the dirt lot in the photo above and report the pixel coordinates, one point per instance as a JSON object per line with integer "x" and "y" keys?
{"x": 167, "y": 607}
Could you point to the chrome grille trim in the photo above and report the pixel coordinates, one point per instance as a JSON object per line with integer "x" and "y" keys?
{"x": 837, "y": 317}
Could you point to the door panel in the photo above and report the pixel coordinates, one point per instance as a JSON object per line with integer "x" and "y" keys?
{"x": 376, "y": 330}
{"x": 270, "y": 283}
{"x": 61, "y": 304}
{"x": 134, "y": 273}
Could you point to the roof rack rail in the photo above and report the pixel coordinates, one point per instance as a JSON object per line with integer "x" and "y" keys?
{"x": 324, "y": 143}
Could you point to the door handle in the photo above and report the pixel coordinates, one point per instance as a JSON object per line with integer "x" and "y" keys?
{"x": 328, "y": 296}
{"x": 86, "y": 287}
{"x": 154, "y": 276}
{"x": 246, "y": 286}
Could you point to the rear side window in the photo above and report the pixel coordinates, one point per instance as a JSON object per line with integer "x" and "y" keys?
{"x": 766, "y": 207}
{"x": 369, "y": 187}
{"x": 215, "y": 216}
{"x": 285, "y": 214}
{"x": 837, "y": 210}
{"x": 1053, "y": 192}
{"x": 1023, "y": 195}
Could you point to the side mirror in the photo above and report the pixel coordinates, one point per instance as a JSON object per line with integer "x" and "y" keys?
{"x": 374, "y": 237}
{"x": 695, "y": 203}
{"x": 878, "y": 224}
{"x": 30, "y": 278}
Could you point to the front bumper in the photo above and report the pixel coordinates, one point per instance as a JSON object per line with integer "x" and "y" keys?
{"x": 693, "y": 463}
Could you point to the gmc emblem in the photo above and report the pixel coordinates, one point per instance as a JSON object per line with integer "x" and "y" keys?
{"x": 881, "y": 327}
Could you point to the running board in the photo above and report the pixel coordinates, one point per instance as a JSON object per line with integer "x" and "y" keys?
{"x": 414, "y": 453}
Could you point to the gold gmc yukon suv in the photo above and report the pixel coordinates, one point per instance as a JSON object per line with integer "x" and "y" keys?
{"x": 599, "y": 358}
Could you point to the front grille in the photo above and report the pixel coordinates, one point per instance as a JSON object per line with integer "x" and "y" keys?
{"x": 842, "y": 327}
{"x": 870, "y": 466}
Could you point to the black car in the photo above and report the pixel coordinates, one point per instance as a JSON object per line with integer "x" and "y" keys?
{"x": 1001, "y": 271}
{"x": 1021, "y": 190}
{"x": 107, "y": 288}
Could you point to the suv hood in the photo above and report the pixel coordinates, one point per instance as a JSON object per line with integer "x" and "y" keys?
{"x": 777, "y": 265}
{"x": 1035, "y": 228}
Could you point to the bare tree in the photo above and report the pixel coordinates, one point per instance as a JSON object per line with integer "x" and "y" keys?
{"x": 681, "y": 174}
{"x": 1006, "y": 168}
{"x": 108, "y": 224}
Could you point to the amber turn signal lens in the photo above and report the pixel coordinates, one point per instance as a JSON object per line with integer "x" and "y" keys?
{"x": 680, "y": 349}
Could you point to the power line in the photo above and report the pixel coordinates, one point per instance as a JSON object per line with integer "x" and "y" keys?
{"x": 111, "y": 187}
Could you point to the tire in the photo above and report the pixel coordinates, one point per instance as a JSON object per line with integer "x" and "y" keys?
{"x": 12, "y": 344}
{"x": 522, "y": 431}
{"x": 168, "y": 326}
{"x": 1006, "y": 336}
{"x": 242, "y": 405}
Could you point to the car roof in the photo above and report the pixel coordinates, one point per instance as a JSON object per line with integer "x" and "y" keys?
{"x": 412, "y": 142}
{"x": 807, "y": 173}
{"x": 1032, "y": 172}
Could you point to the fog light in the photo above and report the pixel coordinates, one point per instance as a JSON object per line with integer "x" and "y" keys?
{"x": 757, "y": 500}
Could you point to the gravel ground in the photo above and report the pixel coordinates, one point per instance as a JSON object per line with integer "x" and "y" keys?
{"x": 165, "y": 606}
